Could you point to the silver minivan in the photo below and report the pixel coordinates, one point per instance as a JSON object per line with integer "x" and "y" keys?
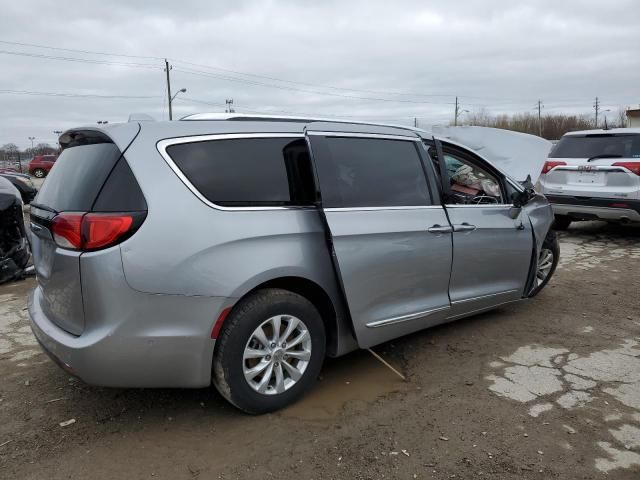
{"x": 244, "y": 249}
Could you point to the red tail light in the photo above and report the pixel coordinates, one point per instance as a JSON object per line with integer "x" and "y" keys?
{"x": 550, "y": 165}
{"x": 632, "y": 166}
{"x": 103, "y": 230}
{"x": 92, "y": 231}
{"x": 66, "y": 229}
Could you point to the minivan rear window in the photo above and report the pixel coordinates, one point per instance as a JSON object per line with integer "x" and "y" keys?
{"x": 77, "y": 177}
{"x": 588, "y": 146}
{"x": 248, "y": 171}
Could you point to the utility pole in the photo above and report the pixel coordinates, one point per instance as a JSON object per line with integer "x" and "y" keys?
{"x": 415, "y": 122}
{"x": 539, "y": 118}
{"x": 455, "y": 114}
{"x": 229, "y": 105}
{"x": 167, "y": 67}
{"x": 596, "y": 107}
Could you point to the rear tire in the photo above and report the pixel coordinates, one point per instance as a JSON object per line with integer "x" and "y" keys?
{"x": 239, "y": 351}
{"x": 561, "y": 222}
{"x": 39, "y": 173}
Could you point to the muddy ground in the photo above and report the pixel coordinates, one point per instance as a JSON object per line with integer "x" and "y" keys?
{"x": 544, "y": 389}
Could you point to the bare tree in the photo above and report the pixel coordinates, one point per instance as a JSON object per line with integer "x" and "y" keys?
{"x": 44, "y": 149}
{"x": 553, "y": 126}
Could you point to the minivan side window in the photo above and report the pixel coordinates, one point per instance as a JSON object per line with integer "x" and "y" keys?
{"x": 371, "y": 172}
{"x": 471, "y": 184}
{"x": 248, "y": 171}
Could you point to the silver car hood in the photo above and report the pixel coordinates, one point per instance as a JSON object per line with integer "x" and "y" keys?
{"x": 516, "y": 154}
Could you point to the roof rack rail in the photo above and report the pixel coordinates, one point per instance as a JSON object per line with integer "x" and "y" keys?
{"x": 289, "y": 118}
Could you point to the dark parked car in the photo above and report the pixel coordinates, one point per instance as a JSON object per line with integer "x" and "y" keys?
{"x": 40, "y": 165}
{"x": 14, "y": 248}
{"x": 23, "y": 184}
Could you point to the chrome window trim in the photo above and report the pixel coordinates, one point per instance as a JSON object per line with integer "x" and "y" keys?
{"x": 484, "y": 205}
{"x": 365, "y": 135}
{"x": 162, "y": 146}
{"x": 374, "y": 209}
{"x": 406, "y": 318}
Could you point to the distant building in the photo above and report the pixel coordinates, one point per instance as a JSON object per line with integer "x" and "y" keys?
{"x": 633, "y": 117}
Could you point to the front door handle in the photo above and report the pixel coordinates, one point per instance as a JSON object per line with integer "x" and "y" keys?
{"x": 464, "y": 227}
{"x": 440, "y": 229}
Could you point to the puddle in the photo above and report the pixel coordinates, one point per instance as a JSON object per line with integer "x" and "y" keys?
{"x": 357, "y": 377}
{"x": 557, "y": 378}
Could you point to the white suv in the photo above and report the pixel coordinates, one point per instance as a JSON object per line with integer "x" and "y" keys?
{"x": 594, "y": 175}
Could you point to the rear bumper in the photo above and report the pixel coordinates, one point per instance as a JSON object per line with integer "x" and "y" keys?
{"x": 610, "y": 209}
{"x": 169, "y": 347}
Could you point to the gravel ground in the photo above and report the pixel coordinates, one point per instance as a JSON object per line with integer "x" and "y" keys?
{"x": 544, "y": 389}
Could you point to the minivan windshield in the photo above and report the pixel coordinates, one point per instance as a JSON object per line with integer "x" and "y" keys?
{"x": 598, "y": 145}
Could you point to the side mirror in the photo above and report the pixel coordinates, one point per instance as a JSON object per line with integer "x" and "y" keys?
{"x": 520, "y": 199}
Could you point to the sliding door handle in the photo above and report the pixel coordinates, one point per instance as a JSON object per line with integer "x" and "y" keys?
{"x": 464, "y": 227}
{"x": 440, "y": 229}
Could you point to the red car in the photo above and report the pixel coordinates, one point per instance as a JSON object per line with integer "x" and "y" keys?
{"x": 40, "y": 165}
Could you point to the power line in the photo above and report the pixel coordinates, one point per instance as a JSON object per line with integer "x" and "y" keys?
{"x": 266, "y": 77}
{"x": 242, "y": 80}
{"x": 80, "y": 60}
{"x": 314, "y": 85}
{"x": 91, "y": 52}
{"x": 75, "y": 95}
{"x": 296, "y": 89}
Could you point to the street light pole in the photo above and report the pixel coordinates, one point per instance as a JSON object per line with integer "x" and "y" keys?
{"x": 171, "y": 99}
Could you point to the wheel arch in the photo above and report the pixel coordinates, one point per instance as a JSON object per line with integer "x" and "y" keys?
{"x": 338, "y": 328}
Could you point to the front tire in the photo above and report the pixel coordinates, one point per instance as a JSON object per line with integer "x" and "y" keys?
{"x": 39, "y": 173}
{"x": 547, "y": 262}
{"x": 269, "y": 352}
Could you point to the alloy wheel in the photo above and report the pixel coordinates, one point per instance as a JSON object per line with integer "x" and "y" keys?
{"x": 277, "y": 354}
{"x": 545, "y": 263}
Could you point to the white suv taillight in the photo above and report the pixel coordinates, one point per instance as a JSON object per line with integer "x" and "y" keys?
{"x": 631, "y": 166}
{"x": 550, "y": 165}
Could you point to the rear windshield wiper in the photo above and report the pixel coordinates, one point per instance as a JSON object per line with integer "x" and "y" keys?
{"x": 605, "y": 155}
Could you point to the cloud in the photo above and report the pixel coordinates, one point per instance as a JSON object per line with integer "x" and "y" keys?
{"x": 496, "y": 54}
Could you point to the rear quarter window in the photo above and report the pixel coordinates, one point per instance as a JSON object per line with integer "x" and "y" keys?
{"x": 248, "y": 171}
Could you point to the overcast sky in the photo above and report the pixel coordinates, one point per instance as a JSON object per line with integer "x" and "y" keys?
{"x": 377, "y": 60}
